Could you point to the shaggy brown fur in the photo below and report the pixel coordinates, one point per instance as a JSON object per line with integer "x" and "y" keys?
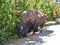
{"x": 31, "y": 19}
{"x": 32, "y": 16}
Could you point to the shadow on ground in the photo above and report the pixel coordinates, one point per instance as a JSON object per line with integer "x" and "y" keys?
{"x": 35, "y": 39}
{"x": 46, "y": 33}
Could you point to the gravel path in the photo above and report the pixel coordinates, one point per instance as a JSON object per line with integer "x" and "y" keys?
{"x": 49, "y": 37}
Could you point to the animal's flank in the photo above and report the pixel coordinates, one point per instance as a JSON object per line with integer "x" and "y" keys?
{"x": 31, "y": 19}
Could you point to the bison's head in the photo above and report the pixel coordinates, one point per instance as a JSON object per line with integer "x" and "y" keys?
{"x": 21, "y": 29}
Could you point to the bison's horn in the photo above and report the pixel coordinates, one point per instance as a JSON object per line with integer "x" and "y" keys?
{"x": 21, "y": 27}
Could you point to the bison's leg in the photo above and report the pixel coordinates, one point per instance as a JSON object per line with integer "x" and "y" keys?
{"x": 41, "y": 27}
{"x": 36, "y": 29}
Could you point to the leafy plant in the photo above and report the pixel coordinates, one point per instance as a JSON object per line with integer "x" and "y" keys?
{"x": 7, "y": 20}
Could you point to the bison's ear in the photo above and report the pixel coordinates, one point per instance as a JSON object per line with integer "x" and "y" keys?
{"x": 21, "y": 27}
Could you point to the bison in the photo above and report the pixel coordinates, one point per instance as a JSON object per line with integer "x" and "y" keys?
{"x": 30, "y": 21}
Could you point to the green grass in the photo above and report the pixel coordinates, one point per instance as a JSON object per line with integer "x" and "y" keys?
{"x": 7, "y": 21}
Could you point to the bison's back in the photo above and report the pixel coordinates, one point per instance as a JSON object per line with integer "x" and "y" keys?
{"x": 33, "y": 17}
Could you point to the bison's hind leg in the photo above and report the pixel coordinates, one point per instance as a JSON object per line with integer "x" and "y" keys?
{"x": 41, "y": 27}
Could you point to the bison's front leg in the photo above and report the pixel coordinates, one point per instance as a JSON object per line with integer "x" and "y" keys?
{"x": 36, "y": 29}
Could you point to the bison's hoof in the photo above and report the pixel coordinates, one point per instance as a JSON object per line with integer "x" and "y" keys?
{"x": 37, "y": 32}
{"x": 29, "y": 34}
{"x": 40, "y": 31}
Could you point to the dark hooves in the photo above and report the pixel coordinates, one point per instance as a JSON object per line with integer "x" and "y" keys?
{"x": 40, "y": 31}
